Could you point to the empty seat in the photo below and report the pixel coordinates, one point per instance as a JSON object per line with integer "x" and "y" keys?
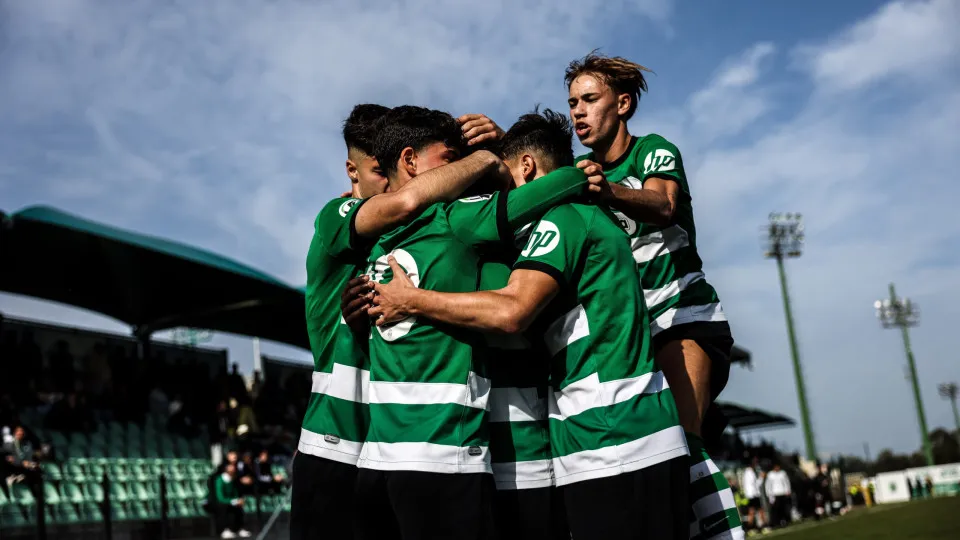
{"x": 50, "y": 494}
{"x": 53, "y": 471}
{"x": 70, "y": 492}
{"x": 90, "y": 512}
{"x": 67, "y": 513}
{"x": 12, "y": 516}
{"x": 93, "y": 491}
{"x": 21, "y": 495}
{"x": 118, "y": 492}
{"x": 74, "y": 471}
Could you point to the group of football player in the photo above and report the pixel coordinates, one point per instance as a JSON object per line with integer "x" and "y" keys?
{"x": 510, "y": 342}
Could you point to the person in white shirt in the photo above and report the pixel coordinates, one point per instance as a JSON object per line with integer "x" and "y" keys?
{"x": 751, "y": 491}
{"x": 778, "y": 491}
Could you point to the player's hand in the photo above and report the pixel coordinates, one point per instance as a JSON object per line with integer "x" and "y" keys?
{"x": 597, "y": 184}
{"x": 354, "y": 303}
{"x": 478, "y": 129}
{"x": 391, "y": 300}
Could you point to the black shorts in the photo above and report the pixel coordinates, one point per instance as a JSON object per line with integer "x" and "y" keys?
{"x": 530, "y": 514}
{"x": 755, "y": 503}
{"x": 321, "y": 498}
{"x": 650, "y": 503}
{"x": 424, "y": 506}
{"x": 714, "y": 338}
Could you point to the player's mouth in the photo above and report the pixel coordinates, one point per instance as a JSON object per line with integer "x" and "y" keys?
{"x": 581, "y": 129}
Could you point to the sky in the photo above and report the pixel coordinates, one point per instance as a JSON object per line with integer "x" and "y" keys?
{"x": 217, "y": 123}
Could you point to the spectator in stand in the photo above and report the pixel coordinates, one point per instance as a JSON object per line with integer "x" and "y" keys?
{"x": 779, "y": 493}
{"x": 228, "y": 506}
{"x": 236, "y": 386}
{"x": 21, "y": 461}
{"x": 269, "y": 482}
{"x": 751, "y": 490}
{"x": 220, "y": 432}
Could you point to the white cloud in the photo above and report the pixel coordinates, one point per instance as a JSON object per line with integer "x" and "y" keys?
{"x": 730, "y": 101}
{"x": 907, "y": 39}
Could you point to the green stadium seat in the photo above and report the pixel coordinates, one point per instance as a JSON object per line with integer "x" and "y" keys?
{"x": 78, "y": 439}
{"x": 12, "y": 516}
{"x": 176, "y": 491}
{"x": 119, "y": 471}
{"x": 139, "y": 470}
{"x": 151, "y": 452}
{"x": 50, "y": 494}
{"x": 278, "y": 469}
{"x": 70, "y": 492}
{"x": 53, "y": 471}
{"x": 97, "y": 452}
{"x": 75, "y": 451}
{"x": 98, "y": 438}
{"x": 74, "y": 471}
{"x": 139, "y": 492}
{"x": 22, "y": 495}
{"x": 153, "y": 508}
{"x": 93, "y": 492}
{"x": 95, "y": 469}
{"x": 118, "y": 511}
{"x": 118, "y": 493}
{"x": 90, "y": 512}
{"x": 177, "y": 470}
{"x": 134, "y": 452}
{"x": 57, "y": 439}
{"x": 3, "y": 499}
{"x": 198, "y": 449}
{"x": 138, "y": 511}
{"x": 180, "y": 509}
{"x": 67, "y": 514}
{"x": 199, "y": 489}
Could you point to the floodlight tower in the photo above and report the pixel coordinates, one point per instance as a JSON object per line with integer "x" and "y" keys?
{"x": 901, "y": 313}
{"x": 784, "y": 239}
{"x": 949, "y": 391}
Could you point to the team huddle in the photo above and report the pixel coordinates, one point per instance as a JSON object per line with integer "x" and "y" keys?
{"x": 510, "y": 342}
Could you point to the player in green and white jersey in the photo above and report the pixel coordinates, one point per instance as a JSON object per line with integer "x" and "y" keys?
{"x": 651, "y": 196}
{"x": 335, "y": 424}
{"x": 617, "y": 448}
{"x": 428, "y": 439}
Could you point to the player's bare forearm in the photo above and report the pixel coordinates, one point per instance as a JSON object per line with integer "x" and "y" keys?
{"x": 509, "y": 310}
{"x": 644, "y": 205}
{"x": 384, "y": 212}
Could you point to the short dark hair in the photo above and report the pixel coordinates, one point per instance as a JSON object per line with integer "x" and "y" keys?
{"x": 548, "y": 133}
{"x": 416, "y": 127}
{"x": 359, "y": 129}
{"x": 620, "y": 74}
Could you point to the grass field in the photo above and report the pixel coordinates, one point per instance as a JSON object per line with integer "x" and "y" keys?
{"x": 935, "y": 519}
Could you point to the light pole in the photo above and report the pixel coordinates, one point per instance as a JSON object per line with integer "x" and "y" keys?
{"x": 784, "y": 238}
{"x": 949, "y": 391}
{"x": 901, "y": 313}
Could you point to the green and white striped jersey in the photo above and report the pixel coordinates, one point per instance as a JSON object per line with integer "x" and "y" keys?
{"x": 519, "y": 373}
{"x": 429, "y": 390}
{"x": 611, "y": 409}
{"x": 336, "y": 420}
{"x": 671, "y": 272}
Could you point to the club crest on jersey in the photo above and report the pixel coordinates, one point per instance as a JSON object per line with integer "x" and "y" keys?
{"x": 660, "y": 160}
{"x": 544, "y": 239}
{"x": 347, "y": 205}
{"x": 380, "y": 270}
{"x": 628, "y": 225}
{"x": 632, "y": 182}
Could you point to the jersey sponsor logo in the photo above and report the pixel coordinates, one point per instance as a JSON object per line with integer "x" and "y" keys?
{"x": 544, "y": 239}
{"x": 380, "y": 270}
{"x": 522, "y": 235}
{"x": 476, "y": 198}
{"x": 347, "y": 205}
{"x": 660, "y": 160}
{"x": 627, "y": 224}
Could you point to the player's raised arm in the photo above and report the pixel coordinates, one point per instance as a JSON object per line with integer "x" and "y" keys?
{"x": 508, "y": 310}
{"x": 384, "y": 212}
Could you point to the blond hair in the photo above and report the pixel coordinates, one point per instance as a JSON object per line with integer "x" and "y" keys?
{"x": 620, "y": 74}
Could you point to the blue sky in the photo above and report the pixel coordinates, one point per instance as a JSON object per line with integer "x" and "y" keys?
{"x": 216, "y": 123}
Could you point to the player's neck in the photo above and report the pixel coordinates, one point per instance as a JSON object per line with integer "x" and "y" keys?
{"x": 610, "y": 150}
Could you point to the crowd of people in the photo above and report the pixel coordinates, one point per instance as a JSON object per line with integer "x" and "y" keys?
{"x": 510, "y": 341}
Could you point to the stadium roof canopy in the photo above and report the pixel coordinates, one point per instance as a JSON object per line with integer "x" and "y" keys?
{"x": 743, "y": 418}
{"x": 147, "y": 282}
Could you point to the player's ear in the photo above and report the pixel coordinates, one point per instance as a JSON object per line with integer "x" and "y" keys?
{"x": 528, "y": 166}
{"x": 352, "y": 172}
{"x": 408, "y": 161}
{"x": 623, "y": 104}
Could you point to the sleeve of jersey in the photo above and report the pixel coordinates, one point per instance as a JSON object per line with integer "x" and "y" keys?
{"x": 663, "y": 159}
{"x": 336, "y": 226}
{"x": 485, "y": 220}
{"x": 554, "y": 245}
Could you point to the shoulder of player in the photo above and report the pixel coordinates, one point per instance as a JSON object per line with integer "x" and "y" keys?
{"x": 653, "y": 140}
{"x": 588, "y": 155}
{"x": 569, "y": 214}
{"x": 337, "y": 206}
